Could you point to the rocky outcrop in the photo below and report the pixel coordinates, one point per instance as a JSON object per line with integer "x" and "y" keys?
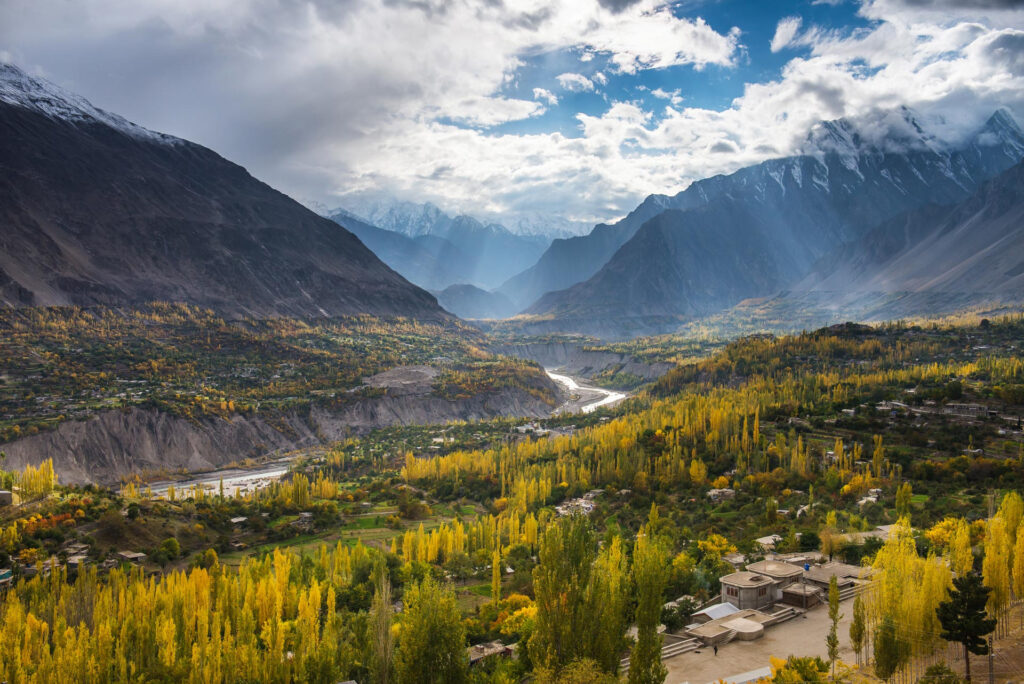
{"x": 116, "y": 444}
{"x": 576, "y": 360}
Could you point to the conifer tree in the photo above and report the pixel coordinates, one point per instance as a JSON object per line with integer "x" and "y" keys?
{"x": 963, "y": 617}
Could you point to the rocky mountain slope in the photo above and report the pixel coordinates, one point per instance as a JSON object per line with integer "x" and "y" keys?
{"x": 763, "y": 228}
{"x": 973, "y": 250}
{"x": 98, "y": 211}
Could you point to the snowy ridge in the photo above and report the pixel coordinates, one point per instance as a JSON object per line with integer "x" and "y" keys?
{"x": 21, "y": 90}
{"x": 891, "y": 131}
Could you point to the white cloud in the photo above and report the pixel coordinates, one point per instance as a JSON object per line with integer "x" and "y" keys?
{"x": 324, "y": 98}
{"x": 673, "y": 96}
{"x": 545, "y": 95}
{"x": 575, "y": 83}
{"x": 600, "y": 78}
{"x": 785, "y": 32}
{"x": 491, "y": 111}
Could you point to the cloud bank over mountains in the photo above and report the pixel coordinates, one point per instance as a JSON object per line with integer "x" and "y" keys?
{"x": 459, "y": 102}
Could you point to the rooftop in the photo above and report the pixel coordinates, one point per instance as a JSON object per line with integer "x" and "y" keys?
{"x": 746, "y": 579}
{"x": 719, "y": 610}
{"x": 774, "y": 568}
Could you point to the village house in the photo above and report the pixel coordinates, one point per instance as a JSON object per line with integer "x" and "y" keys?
{"x": 134, "y": 557}
{"x": 491, "y": 649}
{"x": 721, "y": 494}
{"x": 748, "y": 590}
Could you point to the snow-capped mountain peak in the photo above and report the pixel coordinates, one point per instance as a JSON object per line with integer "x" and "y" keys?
{"x": 19, "y": 89}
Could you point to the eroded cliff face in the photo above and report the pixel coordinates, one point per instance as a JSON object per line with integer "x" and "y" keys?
{"x": 579, "y": 362}
{"x": 117, "y": 444}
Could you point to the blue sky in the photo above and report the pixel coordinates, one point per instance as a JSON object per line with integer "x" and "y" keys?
{"x": 713, "y": 87}
{"x": 533, "y": 112}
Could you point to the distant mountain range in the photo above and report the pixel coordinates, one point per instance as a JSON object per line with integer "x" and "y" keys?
{"x": 759, "y": 230}
{"x": 98, "y": 211}
{"x": 468, "y": 251}
{"x": 467, "y": 301}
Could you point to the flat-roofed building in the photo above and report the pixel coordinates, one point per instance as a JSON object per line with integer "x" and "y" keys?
{"x": 781, "y": 573}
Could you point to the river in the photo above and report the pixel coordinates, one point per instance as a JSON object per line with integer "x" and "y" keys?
{"x": 585, "y": 397}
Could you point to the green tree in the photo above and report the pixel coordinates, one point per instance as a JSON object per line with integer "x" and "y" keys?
{"x": 381, "y": 640}
{"x": 432, "y": 643}
{"x": 607, "y": 606}
{"x": 650, "y": 573}
{"x": 580, "y": 598}
{"x": 963, "y": 617}
{"x": 890, "y": 649}
{"x": 171, "y": 548}
{"x": 858, "y": 627}
{"x": 832, "y": 640}
{"x": 560, "y": 581}
{"x": 939, "y": 673}
{"x": 583, "y": 671}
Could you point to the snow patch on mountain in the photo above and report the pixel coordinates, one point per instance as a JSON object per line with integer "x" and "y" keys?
{"x": 19, "y": 89}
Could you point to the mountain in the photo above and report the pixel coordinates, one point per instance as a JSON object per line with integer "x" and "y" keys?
{"x": 98, "y": 211}
{"x": 571, "y": 260}
{"x": 430, "y": 262}
{"x": 467, "y": 301}
{"x": 973, "y": 250}
{"x": 489, "y": 253}
{"x": 762, "y": 228}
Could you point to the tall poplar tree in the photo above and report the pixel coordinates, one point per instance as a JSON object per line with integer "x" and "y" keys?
{"x": 496, "y": 576}
{"x": 832, "y": 640}
{"x": 580, "y": 598}
{"x": 381, "y": 639}
{"x": 890, "y": 650}
{"x": 432, "y": 643}
{"x": 858, "y": 628}
{"x": 650, "y": 574}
